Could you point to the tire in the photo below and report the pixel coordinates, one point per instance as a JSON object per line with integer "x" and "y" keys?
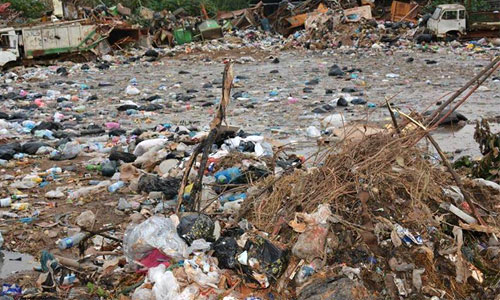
{"x": 452, "y": 36}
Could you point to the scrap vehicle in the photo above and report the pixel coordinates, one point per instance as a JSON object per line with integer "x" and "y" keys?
{"x": 453, "y": 21}
{"x": 24, "y": 44}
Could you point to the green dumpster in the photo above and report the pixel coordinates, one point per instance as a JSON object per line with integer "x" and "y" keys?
{"x": 182, "y": 36}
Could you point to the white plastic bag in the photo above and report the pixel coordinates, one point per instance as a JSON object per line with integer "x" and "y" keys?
{"x": 313, "y": 132}
{"x": 132, "y": 91}
{"x": 166, "y": 286}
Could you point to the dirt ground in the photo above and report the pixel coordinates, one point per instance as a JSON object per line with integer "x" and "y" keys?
{"x": 419, "y": 85}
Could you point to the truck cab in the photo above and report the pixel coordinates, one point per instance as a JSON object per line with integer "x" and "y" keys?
{"x": 9, "y": 45}
{"x": 448, "y": 20}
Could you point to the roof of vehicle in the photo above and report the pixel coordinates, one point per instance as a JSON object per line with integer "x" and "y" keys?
{"x": 6, "y": 29}
{"x": 451, "y": 6}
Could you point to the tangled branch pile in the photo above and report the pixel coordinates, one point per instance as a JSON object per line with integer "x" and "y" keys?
{"x": 375, "y": 187}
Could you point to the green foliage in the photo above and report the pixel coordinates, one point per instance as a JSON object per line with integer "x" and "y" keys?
{"x": 475, "y": 5}
{"x": 489, "y": 144}
{"x": 36, "y": 8}
{"x": 30, "y": 8}
{"x": 99, "y": 291}
{"x": 192, "y": 7}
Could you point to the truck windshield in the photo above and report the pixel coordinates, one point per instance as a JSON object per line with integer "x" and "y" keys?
{"x": 436, "y": 13}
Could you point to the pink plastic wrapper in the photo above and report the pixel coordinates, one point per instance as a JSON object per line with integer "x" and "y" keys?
{"x": 112, "y": 125}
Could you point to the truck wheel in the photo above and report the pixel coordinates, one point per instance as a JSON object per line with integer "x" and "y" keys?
{"x": 452, "y": 36}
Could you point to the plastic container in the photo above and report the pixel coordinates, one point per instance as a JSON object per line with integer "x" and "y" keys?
{"x": 228, "y": 175}
{"x": 93, "y": 167}
{"x": 69, "y": 242}
{"x": 182, "y": 36}
{"x": 116, "y": 186}
{"x": 233, "y": 197}
{"x": 5, "y": 202}
{"x": 20, "y": 206}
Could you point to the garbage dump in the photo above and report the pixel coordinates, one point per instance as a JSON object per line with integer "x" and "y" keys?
{"x": 311, "y": 150}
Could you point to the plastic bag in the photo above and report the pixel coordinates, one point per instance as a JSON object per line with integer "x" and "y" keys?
{"x": 225, "y": 250}
{"x": 202, "y": 270}
{"x": 144, "y": 146}
{"x": 132, "y": 91}
{"x": 311, "y": 242}
{"x": 262, "y": 260}
{"x": 313, "y": 132}
{"x": 166, "y": 286}
{"x": 199, "y": 245}
{"x": 154, "y": 233}
{"x": 196, "y": 226}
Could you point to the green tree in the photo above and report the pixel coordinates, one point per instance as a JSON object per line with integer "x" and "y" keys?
{"x": 29, "y": 8}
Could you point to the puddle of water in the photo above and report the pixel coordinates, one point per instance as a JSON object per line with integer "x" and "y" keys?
{"x": 452, "y": 138}
{"x": 13, "y": 262}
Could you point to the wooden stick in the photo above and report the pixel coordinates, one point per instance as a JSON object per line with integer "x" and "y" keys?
{"x": 448, "y": 165}
{"x": 206, "y": 145}
{"x": 428, "y": 120}
{"x": 456, "y": 178}
{"x": 472, "y": 90}
{"x": 189, "y": 166}
{"x": 393, "y": 117}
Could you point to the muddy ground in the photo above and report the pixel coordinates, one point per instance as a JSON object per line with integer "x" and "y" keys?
{"x": 419, "y": 85}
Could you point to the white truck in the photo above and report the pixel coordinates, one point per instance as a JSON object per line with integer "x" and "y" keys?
{"x": 29, "y": 42}
{"x": 454, "y": 21}
{"x": 9, "y": 45}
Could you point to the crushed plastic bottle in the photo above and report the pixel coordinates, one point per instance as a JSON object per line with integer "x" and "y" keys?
{"x": 116, "y": 186}
{"x": 228, "y": 175}
{"x": 20, "y": 206}
{"x": 69, "y": 242}
{"x": 5, "y": 202}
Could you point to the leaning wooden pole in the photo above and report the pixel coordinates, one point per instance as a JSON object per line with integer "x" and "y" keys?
{"x": 436, "y": 113}
{"x": 205, "y": 145}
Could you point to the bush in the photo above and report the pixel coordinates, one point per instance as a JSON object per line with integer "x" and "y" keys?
{"x": 191, "y": 6}
{"x": 36, "y": 8}
{"x": 476, "y": 5}
{"x": 29, "y": 8}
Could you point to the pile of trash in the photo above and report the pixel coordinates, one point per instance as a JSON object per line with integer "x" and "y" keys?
{"x": 379, "y": 212}
{"x": 215, "y": 212}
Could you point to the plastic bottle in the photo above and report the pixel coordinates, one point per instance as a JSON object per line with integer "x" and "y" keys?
{"x": 93, "y": 167}
{"x": 5, "y": 202}
{"x": 19, "y": 196}
{"x": 69, "y": 279}
{"x": 20, "y": 206}
{"x": 69, "y": 242}
{"x": 116, "y": 186}
{"x": 54, "y": 170}
{"x": 228, "y": 175}
{"x": 232, "y": 197}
